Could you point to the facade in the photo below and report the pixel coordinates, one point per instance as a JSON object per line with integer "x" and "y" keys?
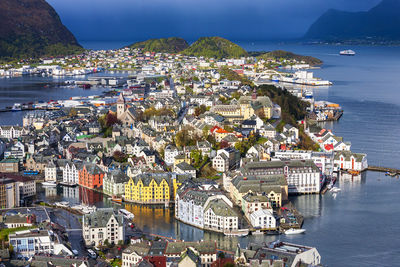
{"x": 302, "y": 176}
{"x": 91, "y": 176}
{"x": 50, "y": 172}
{"x": 219, "y": 216}
{"x": 71, "y": 173}
{"x": 114, "y": 183}
{"x": 134, "y": 253}
{"x": 101, "y": 225}
{"x": 346, "y": 160}
{"x": 263, "y": 219}
{"x": 206, "y": 251}
{"x": 9, "y": 165}
{"x": 9, "y": 197}
{"x": 30, "y": 242}
{"x": 151, "y": 188}
{"x": 12, "y": 131}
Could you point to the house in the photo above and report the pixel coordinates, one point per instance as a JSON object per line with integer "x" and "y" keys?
{"x": 185, "y": 168}
{"x": 226, "y": 159}
{"x": 206, "y": 251}
{"x": 170, "y": 152}
{"x": 50, "y": 172}
{"x": 91, "y": 176}
{"x": 70, "y": 172}
{"x": 219, "y": 216}
{"x": 263, "y": 219}
{"x": 134, "y": 253}
{"x": 347, "y": 160}
{"x": 19, "y": 220}
{"x": 9, "y": 165}
{"x": 114, "y": 183}
{"x": 101, "y": 225}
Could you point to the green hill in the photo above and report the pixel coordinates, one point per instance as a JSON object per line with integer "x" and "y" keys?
{"x": 215, "y": 47}
{"x": 162, "y": 45}
{"x": 278, "y": 54}
{"x": 32, "y": 28}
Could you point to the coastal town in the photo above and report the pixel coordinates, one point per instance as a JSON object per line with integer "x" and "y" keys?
{"x": 224, "y": 143}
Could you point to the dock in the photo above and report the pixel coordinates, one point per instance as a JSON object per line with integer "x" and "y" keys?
{"x": 28, "y": 109}
{"x": 392, "y": 171}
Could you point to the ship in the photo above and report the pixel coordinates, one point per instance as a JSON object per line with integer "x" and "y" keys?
{"x": 49, "y": 184}
{"x": 17, "y": 107}
{"x": 347, "y": 53}
{"x": 292, "y": 231}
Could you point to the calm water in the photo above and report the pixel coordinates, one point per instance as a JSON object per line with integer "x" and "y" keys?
{"x": 358, "y": 227}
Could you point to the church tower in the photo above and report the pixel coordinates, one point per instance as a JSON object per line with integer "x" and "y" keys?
{"x": 120, "y": 105}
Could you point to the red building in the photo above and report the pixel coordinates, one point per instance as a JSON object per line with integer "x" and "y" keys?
{"x": 91, "y": 176}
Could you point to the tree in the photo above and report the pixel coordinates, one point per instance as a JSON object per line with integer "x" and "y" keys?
{"x": 111, "y": 119}
{"x": 196, "y": 157}
{"x": 223, "y": 144}
{"x": 120, "y": 156}
{"x": 73, "y": 112}
{"x": 200, "y": 110}
{"x": 182, "y": 138}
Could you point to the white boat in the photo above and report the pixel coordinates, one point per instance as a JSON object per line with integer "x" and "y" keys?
{"x": 128, "y": 215}
{"x": 49, "y": 183}
{"x": 62, "y": 204}
{"x": 239, "y": 232}
{"x": 16, "y": 107}
{"x": 292, "y": 231}
{"x": 347, "y": 53}
{"x": 335, "y": 189}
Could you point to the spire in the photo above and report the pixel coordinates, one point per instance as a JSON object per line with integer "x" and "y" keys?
{"x": 121, "y": 99}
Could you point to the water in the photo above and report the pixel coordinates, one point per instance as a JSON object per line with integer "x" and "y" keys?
{"x": 360, "y": 226}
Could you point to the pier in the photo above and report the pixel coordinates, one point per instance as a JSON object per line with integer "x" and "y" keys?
{"x": 392, "y": 171}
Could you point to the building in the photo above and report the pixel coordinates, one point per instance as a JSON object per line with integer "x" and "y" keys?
{"x": 302, "y": 176}
{"x": 226, "y": 159}
{"x": 9, "y": 165}
{"x": 134, "y": 253}
{"x": 91, "y": 176}
{"x": 151, "y": 188}
{"x": 252, "y": 202}
{"x": 124, "y": 114}
{"x": 274, "y": 187}
{"x": 185, "y": 168}
{"x": 12, "y": 131}
{"x": 263, "y": 219}
{"x": 19, "y": 220}
{"x": 219, "y": 216}
{"x": 70, "y": 173}
{"x": 277, "y": 254}
{"x": 101, "y": 226}
{"x": 28, "y": 243}
{"x": 9, "y": 197}
{"x": 347, "y": 160}
{"x": 114, "y": 183}
{"x": 50, "y": 172}
{"x": 206, "y": 251}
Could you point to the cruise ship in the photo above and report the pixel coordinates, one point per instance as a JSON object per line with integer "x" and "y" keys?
{"x": 347, "y": 53}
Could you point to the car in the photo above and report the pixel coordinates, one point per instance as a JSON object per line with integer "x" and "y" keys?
{"x": 75, "y": 252}
{"x": 92, "y": 254}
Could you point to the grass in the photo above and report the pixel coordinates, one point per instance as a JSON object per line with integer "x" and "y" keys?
{"x": 116, "y": 262}
{"x": 6, "y": 231}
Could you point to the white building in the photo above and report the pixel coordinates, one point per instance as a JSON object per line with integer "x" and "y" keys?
{"x": 170, "y": 152}
{"x": 219, "y": 216}
{"x": 50, "y": 172}
{"x": 346, "y": 160}
{"x": 71, "y": 173}
{"x": 134, "y": 253}
{"x": 12, "y": 131}
{"x": 263, "y": 219}
{"x": 101, "y": 225}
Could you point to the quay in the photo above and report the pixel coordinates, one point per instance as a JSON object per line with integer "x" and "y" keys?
{"x": 28, "y": 109}
{"x": 391, "y": 171}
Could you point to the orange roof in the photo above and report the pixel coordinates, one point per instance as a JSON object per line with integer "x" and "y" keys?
{"x": 220, "y": 130}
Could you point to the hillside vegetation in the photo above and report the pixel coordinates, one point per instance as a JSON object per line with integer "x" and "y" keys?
{"x": 281, "y": 54}
{"x": 215, "y": 47}
{"x": 32, "y": 28}
{"x": 162, "y": 45}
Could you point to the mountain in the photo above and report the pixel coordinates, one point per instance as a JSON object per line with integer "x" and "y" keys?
{"x": 277, "y": 54}
{"x": 163, "y": 45}
{"x": 215, "y": 47}
{"x": 381, "y": 23}
{"x": 32, "y": 28}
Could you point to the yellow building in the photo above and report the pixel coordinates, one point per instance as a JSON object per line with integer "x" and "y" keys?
{"x": 152, "y": 188}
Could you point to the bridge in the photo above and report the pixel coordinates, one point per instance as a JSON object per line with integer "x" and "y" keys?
{"x": 391, "y": 171}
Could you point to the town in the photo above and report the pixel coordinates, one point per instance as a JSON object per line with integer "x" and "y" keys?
{"x": 218, "y": 141}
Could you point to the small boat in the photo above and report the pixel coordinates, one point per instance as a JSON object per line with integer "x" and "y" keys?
{"x": 16, "y": 107}
{"x": 347, "y": 53}
{"x": 239, "y": 232}
{"x": 335, "y": 189}
{"x": 292, "y": 231}
{"x": 117, "y": 199}
{"x": 49, "y": 184}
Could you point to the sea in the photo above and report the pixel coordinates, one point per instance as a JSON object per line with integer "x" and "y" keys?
{"x": 358, "y": 226}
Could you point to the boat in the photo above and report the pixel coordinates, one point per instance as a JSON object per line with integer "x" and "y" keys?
{"x": 116, "y": 199}
{"x": 292, "y": 231}
{"x": 128, "y": 215}
{"x": 347, "y": 53}
{"x": 239, "y": 232}
{"x": 335, "y": 189}
{"x": 62, "y": 204}
{"x": 49, "y": 184}
{"x": 16, "y": 107}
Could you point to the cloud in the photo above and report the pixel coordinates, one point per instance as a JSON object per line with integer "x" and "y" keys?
{"x": 131, "y": 20}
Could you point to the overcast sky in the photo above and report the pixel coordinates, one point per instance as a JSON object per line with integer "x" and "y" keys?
{"x": 240, "y": 20}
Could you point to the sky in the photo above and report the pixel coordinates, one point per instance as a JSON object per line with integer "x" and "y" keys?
{"x": 237, "y": 20}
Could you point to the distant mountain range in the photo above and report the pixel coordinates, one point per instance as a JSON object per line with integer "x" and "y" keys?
{"x": 210, "y": 47}
{"x": 32, "y": 28}
{"x": 380, "y": 23}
